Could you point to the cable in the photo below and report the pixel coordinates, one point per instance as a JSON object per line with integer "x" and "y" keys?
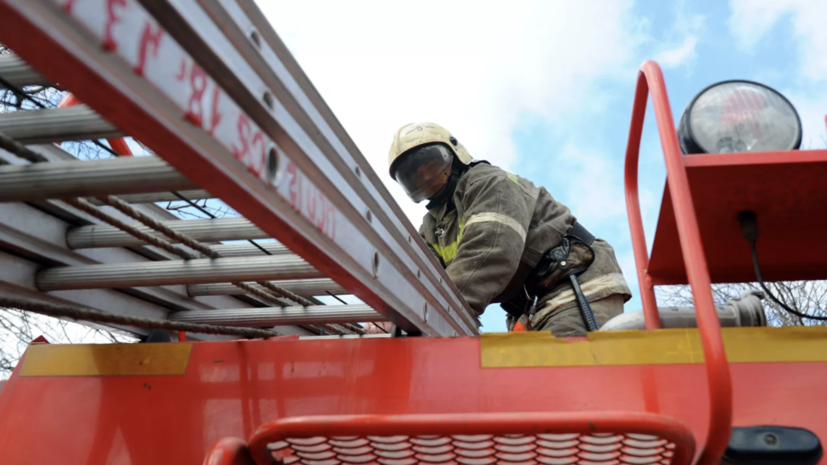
{"x": 770, "y": 294}
{"x": 749, "y": 230}
{"x": 204, "y": 211}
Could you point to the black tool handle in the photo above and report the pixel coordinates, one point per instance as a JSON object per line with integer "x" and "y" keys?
{"x": 585, "y": 308}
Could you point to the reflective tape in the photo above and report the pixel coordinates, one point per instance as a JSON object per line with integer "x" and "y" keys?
{"x": 492, "y": 217}
{"x": 106, "y": 359}
{"x": 656, "y": 347}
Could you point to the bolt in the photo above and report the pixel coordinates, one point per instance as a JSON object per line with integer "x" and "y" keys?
{"x": 771, "y": 440}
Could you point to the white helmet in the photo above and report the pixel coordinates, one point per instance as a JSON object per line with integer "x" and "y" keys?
{"x": 420, "y": 157}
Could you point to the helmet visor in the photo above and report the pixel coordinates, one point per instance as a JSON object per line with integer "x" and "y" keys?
{"x": 424, "y": 170}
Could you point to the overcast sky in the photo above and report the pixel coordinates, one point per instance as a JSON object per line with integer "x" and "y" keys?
{"x": 544, "y": 89}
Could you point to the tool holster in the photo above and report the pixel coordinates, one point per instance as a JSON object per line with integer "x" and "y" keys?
{"x": 571, "y": 257}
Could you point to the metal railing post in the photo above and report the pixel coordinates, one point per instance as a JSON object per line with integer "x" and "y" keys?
{"x": 719, "y": 381}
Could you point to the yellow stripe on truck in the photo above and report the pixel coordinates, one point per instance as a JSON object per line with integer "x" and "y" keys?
{"x": 665, "y": 346}
{"x": 106, "y": 359}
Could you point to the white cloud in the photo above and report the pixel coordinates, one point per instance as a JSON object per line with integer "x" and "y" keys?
{"x": 596, "y": 192}
{"x": 682, "y": 39}
{"x": 751, "y": 20}
{"x": 477, "y": 68}
{"x": 597, "y": 198}
{"x": 812, "y": 109}
{"x": 680, "y": 55}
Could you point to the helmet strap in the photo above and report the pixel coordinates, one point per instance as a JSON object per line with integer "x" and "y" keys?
{"x": 447, "y": 192}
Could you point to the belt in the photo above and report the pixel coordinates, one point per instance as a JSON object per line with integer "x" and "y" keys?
{"x": 577, "y": 230}
{"x": 518, "y": 305}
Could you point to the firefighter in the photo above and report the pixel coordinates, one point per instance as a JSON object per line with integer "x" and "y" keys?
{"x": 503, "y": 240}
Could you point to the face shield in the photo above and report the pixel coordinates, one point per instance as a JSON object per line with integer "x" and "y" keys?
{"x": 422, "y": 171}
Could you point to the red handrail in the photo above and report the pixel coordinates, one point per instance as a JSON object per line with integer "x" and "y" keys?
{"x": 527, "y": 423}
{"x": 118, "y": 145}
{"x": 647, "y": 290}
{"x": 650, "y": 79}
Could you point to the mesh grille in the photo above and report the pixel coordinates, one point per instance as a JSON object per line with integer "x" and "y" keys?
{"x": 544, "y": 449}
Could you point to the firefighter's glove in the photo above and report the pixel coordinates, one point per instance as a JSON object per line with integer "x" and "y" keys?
{"x": 518, "y": 324}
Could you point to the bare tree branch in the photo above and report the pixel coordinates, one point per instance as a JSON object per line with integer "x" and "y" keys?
{"x": 808, "y": 297}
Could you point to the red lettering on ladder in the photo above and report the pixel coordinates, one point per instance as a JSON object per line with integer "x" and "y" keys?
{"x": 253, "y": 147}
{"x": 198, "y": 84}
{"x": 215, "y": 116}
{"x": 258, "y": 156}
{"x": 294, "y": 185}
{"x": 67, "y": 7}
{"x": 182, "y": 71}
{"x": 243, "y": 127}
{"x": 109, "y": 43}
{"x": 330, "y": 222}
{"x": 310, "y": 202}
{"x": 149, "y": 38}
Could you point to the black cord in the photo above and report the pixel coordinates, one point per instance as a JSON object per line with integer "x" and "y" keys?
{"x": 770, "y": 294}
{"x": 336, "y": 297}
{"x": 204, "y": 211}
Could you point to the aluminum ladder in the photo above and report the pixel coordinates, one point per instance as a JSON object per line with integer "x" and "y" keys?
{"x": 211, "y": 89}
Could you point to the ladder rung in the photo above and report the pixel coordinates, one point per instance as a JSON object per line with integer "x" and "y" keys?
{"x": 153, "y": 197}
{"x": 56, "y": 125}
{"x": 302, "y": 287}
{"x": 273, "y": 316}
{"x": 221, "y": 229}
{"x": 164, "y": 273}
{"x": 18, "y": 73}
{"x": 250, "y": 250}
{"x": 128, "y": 175}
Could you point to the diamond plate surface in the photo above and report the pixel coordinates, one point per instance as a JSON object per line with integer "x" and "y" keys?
{"x": 540, "y": 449}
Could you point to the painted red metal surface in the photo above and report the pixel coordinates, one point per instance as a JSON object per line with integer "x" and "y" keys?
{"x": 650, "y": 79}
{"x": 119, "y": 145}
{"x": 647, "y": 290}
{"x": 231, "y": 388}
{"x": 229, "y": 451}
{"x": 785, "y": 189}
{"x": 476, "y": 439}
